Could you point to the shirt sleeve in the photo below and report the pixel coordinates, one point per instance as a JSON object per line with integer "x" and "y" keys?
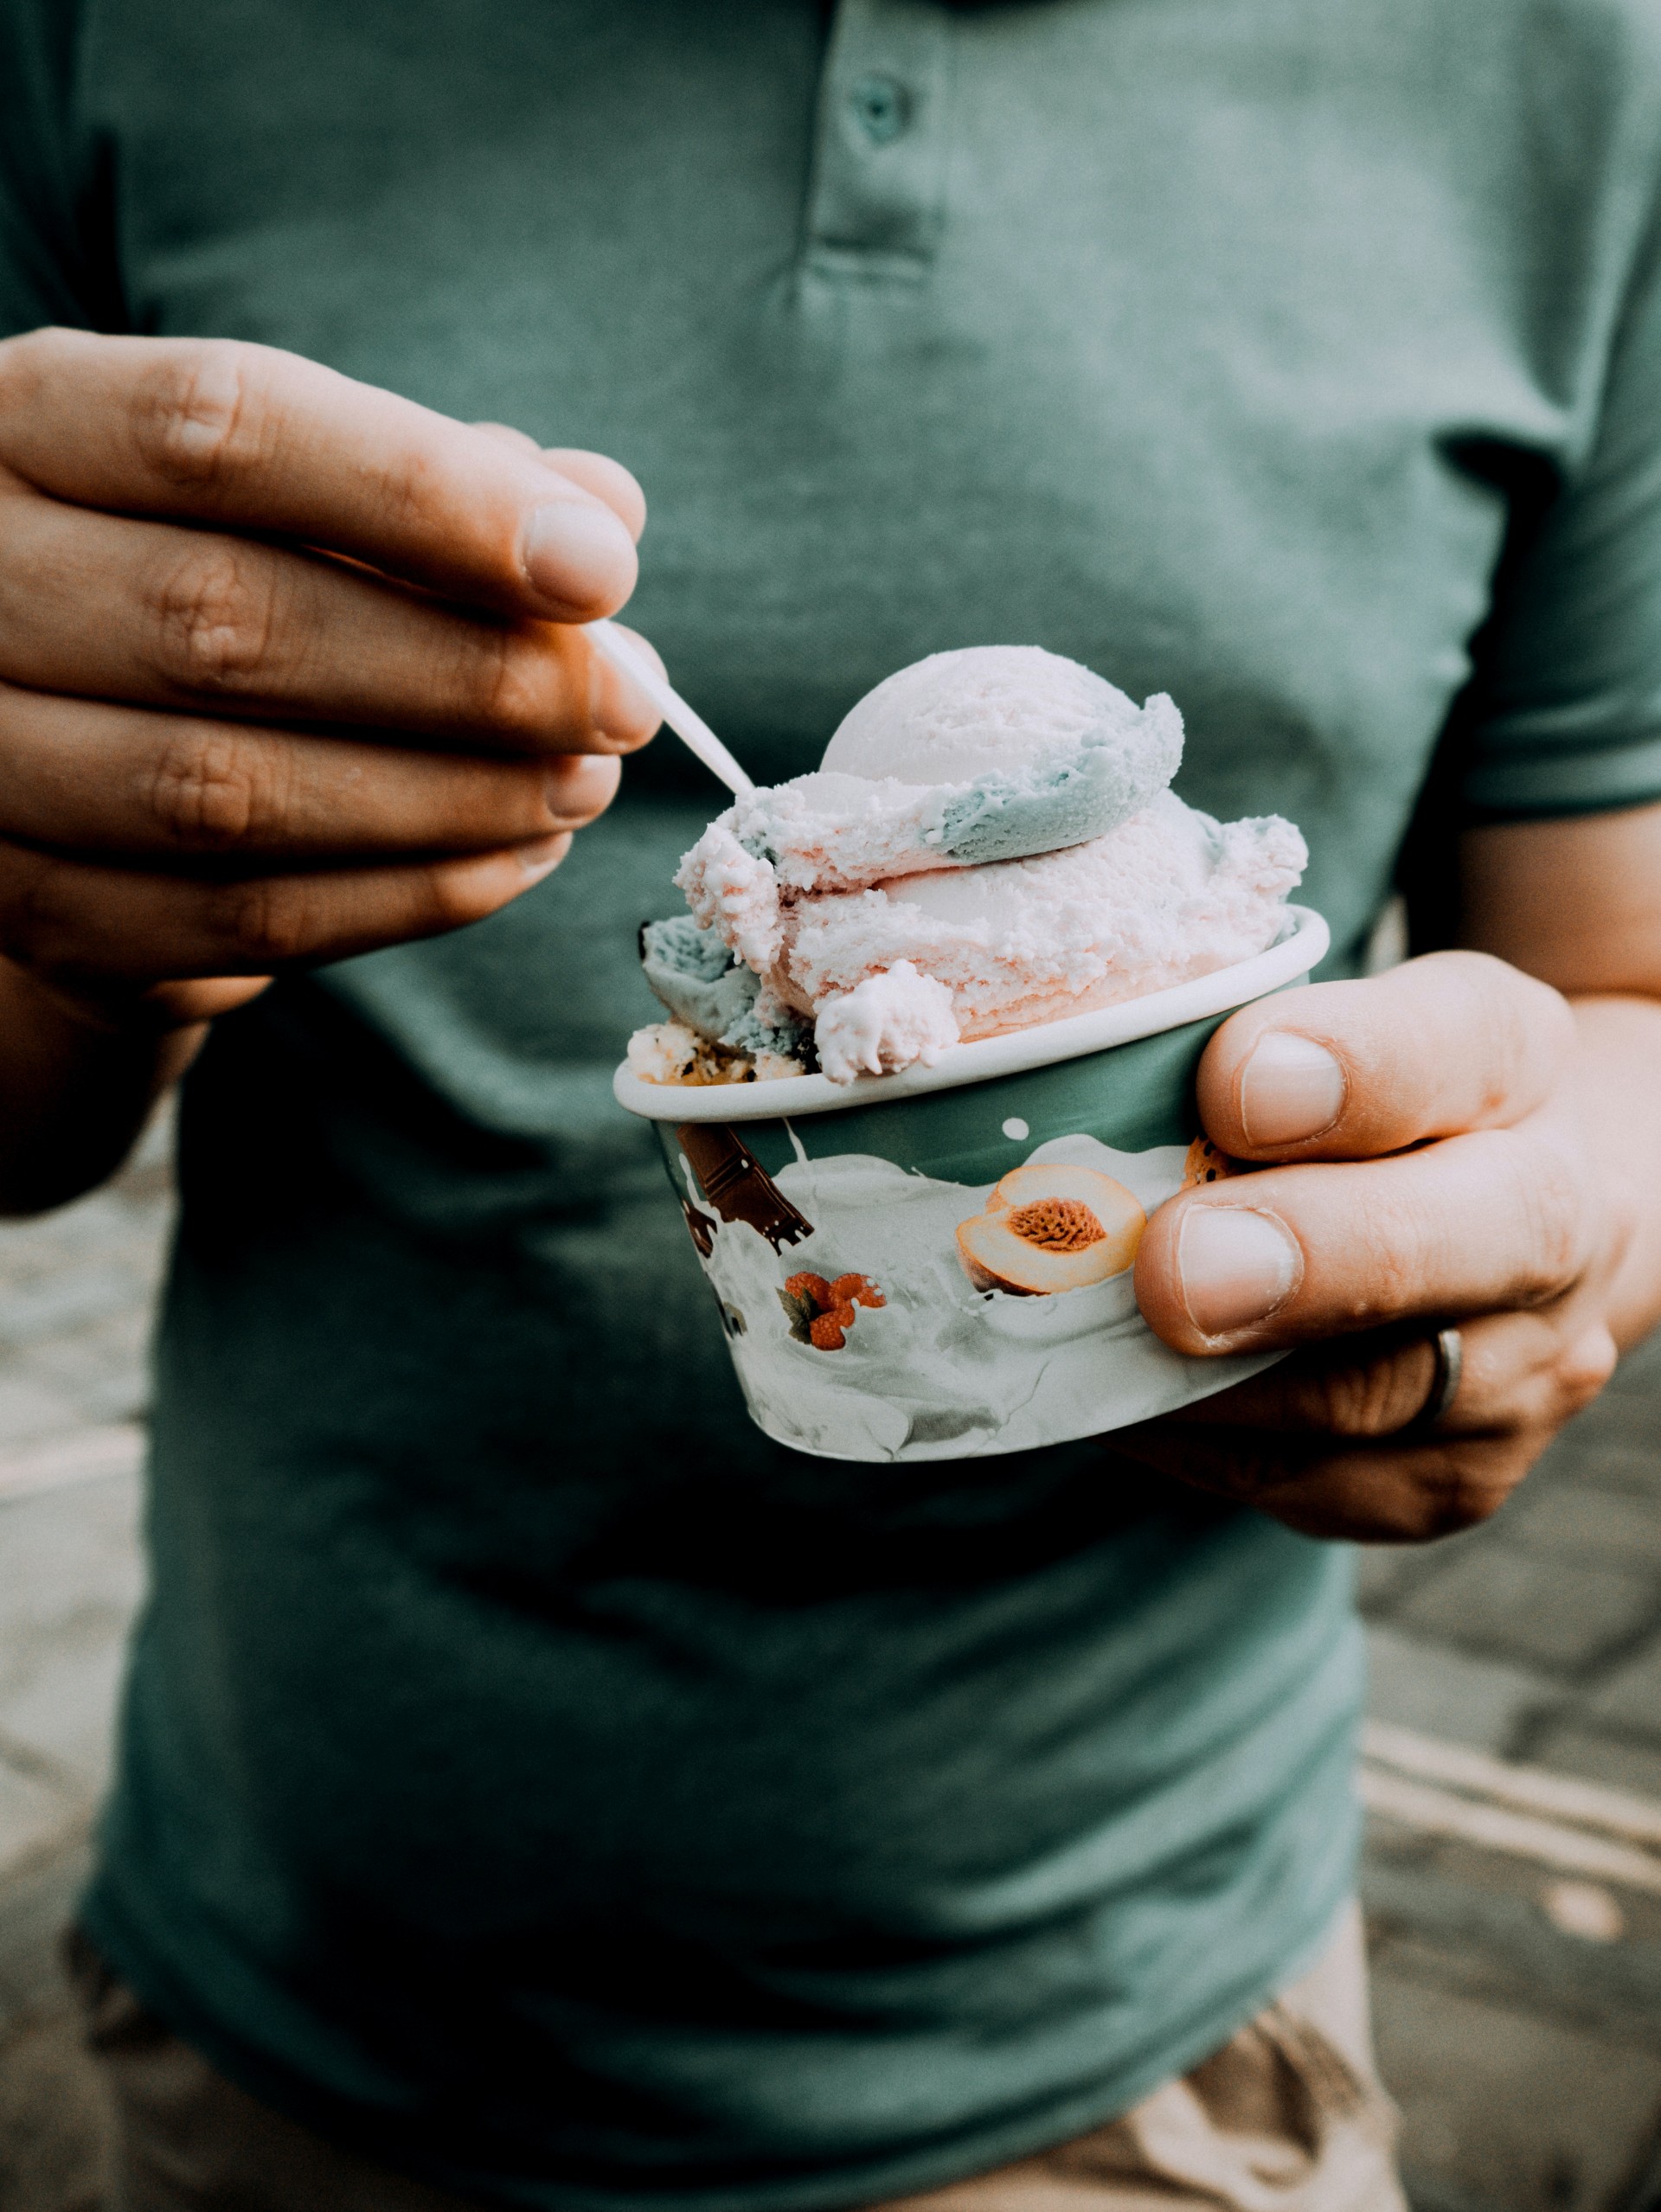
{"x": 56, "y": 258}
{"x": 1568, "y": 713}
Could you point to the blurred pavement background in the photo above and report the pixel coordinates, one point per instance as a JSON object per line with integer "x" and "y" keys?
{"x": 1513, "y": 1769}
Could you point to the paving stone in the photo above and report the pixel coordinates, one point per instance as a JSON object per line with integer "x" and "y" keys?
{"x": 67, "y": 1300}
{"x": 67, "y": 1559}
{"x": 1629, "y": 1702}
{"x": 1631, "y": 1470}
{"x": 124, "y": 1331}
{"x": 103, "y": 1371}
{"x": 70, "y": 1576}
{"x": 1641, "y": 1369}
{"x": 1550, "y": 1613}
{"x": 1388, "y": 1574}
{"x": 62, "y": 1709}
{"x": 1577, "y": 1524}
{"x": 1487, "y": 1924}
{"x": 34, "y": 1815}
{"x": 37, "y": 1904}
{"x": 29, "y": 1409}
{"x": 1570, "y": 1748}
{"x": 83, "y": 1260}
{"x": 1445, "y": 1693}
{"x": 1622, "y": 1420}
{"x": 1504, "y": 2109}
{"x": 1384, "y": 1574}
{"x": 55, "y": 2123}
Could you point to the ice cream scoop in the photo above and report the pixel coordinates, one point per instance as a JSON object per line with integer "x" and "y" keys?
{"x": 989, "y": 754}
{"x": 1023, "y": 751}
{"x": 1167, "y": 894}
{"x": 989, "y": 843}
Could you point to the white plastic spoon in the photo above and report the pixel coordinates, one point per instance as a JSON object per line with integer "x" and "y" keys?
{"x": 691, "y": 728}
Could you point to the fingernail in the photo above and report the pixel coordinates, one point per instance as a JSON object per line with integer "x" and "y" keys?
{"x": 582, "y": 786}
{"x": 543, "y": 857}
{"x": 1290, "y": 1087}
{"x": 577, "y": 556}
{"x": 1234, "y": 1267}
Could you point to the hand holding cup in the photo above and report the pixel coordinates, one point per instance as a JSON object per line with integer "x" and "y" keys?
{"x": 1425, "y": 1160}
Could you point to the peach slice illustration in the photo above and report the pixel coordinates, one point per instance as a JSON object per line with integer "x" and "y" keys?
{"x": 1048, "y": 1228}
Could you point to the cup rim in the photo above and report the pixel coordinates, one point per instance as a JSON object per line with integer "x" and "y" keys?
{"x": 1013, "y": 1054}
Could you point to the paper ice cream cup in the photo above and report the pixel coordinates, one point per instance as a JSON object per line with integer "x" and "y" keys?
{"x": 937, "y": 1265}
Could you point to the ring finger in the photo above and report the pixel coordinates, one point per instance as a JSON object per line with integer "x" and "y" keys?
{"x": 1527, "y": 1370}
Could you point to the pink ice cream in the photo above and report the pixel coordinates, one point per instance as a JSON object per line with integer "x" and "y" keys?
{"x": 989, "y": 843}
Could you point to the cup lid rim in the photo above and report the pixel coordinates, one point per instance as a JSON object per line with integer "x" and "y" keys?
{"x": 1013, "y": 1054}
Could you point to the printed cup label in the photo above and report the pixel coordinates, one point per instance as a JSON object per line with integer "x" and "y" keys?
{"x": 877, "y": 1314}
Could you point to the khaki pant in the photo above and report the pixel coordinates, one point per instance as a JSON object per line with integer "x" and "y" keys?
{"x": 1287, "y": 2117}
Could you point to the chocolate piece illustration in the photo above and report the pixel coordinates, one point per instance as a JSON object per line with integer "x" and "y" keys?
{"x": 738, "y": 1186}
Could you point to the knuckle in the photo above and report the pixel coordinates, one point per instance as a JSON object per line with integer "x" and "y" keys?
{"x": 1457, "y": 1483}
{"x": 1550, "y": 1021}
{"x": 1383, "y": 1397}
{"x": 1557, "y": 1203}
{"x": 596, "y": 799}
{"x": 1524, "y": 1027}
{"x": 22, "y": 364}
{"x": 196, "y": 419}
{"x": 214, "y": 620}
{"x": 1452, "y": 1507}
{"x": 1584, "y": 1368}
{"x": 1391, "y": 1241}
{"x": 269, "y": 921}
{"x": 205, "y": 789}
{"x": 511, "y": 697}
{"x": 409, "y": 488}
{"x": 1502, "y": 1019}
{"x": 29, "y": 360}
{"x": 1454, "y": 1493}
{"x": 36, "y": 918}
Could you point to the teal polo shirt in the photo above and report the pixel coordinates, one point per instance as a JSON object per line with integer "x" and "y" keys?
{"x": 529, "y": 1775}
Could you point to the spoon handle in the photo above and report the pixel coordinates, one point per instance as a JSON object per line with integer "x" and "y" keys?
{"x": 691, "y": 728}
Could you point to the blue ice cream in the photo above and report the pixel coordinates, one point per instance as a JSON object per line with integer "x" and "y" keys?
{"x": 994, "y": 753}
{"x": 703, "y": 984}
{"x": 1027, "y": 751}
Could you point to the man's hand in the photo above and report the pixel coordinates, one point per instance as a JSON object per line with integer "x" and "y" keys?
{"x": 1443, "y": 1175}
{"x": 286, "y": 669}
{"x": 1458, "y": 1141}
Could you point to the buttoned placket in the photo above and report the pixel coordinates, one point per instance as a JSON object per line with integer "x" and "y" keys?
{"x": 877, "y": 197}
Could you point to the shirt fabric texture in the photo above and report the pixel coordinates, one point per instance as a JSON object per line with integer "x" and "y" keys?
{"x": 530, "y": 1774}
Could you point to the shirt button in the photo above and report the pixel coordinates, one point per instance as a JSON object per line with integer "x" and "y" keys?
{"x": 881, "y": 107}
